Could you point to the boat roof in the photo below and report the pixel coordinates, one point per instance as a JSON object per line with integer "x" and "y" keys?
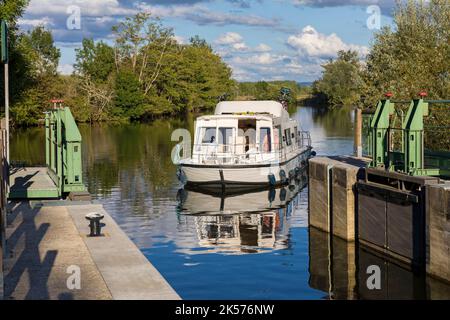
{"x": 273, "y": 108}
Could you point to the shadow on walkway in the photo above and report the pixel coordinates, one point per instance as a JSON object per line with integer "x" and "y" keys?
{"x": 26, "y": 239}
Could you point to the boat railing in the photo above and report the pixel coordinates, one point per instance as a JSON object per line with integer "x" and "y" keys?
{"x": 212, "y": 153}
{"x": 304, "y": 139}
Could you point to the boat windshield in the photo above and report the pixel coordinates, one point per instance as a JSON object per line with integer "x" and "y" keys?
{"x": 208, "y": 134}
{"x": 225, "y": 136}
{"x": 246, "y": 140}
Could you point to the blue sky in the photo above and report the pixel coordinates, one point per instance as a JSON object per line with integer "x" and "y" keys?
{"x": 259, "y": 39}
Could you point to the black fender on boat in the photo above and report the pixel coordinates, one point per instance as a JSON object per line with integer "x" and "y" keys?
{"x": 272, "y": 179}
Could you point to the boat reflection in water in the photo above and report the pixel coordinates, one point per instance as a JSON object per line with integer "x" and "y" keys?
{"x": 238, "y": 222}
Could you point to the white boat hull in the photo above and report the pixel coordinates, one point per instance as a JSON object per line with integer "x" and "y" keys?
{"x": 245, "y": 175}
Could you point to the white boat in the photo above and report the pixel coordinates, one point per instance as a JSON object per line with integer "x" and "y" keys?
{"x": 246, "y": 143}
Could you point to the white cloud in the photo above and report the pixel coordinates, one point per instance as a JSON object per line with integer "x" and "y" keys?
{"x": 258, "y": 59}
{"x": 260, "y": 63}
{"x": 240, "y": 46}
{"x": 88, "y": 7}
{"x": 295, "y": 67}
{"x": 326, "y": 3}
{"x": 45, "y": 21}
{"x": 233, "y": 41}
{"x": 336, "y": 3}
{"x": 309, "y": 42}
{"x": 202, "y": 15}
{"x": 262, "y": 47}
{"x": 229, "y": 38}
{"x": 386, "y": 6}
{"x": 179, "y": 39}
{"x": 97, "y": 17}
{"x": 264, "y": 63}
{"x": 255, "y": 61}
{"x": 65, "y": 69}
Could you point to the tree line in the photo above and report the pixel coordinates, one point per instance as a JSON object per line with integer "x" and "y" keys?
{"x": 145, "y": 73}
{"x": 270, "y": 90}
{"x": 410, "y": 57}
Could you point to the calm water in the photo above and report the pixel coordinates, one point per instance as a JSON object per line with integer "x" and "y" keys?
{"x": 208, "y": 246}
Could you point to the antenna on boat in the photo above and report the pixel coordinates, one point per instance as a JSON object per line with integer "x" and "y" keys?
{"x": 224, "y": 97}
{"x": 285, "y": 94}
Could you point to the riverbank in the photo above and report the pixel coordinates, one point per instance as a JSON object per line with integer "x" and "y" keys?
{"x": 51, "y": 256}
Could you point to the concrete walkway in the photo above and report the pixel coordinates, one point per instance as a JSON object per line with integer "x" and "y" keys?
{"x": 47, "y": 245}
{"x": 32, "y": 182}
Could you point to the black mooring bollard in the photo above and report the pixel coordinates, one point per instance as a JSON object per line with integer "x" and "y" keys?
{"x": 94, "y": 223}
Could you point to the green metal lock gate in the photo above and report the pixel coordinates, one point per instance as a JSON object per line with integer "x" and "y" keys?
{"x": 63, "y": 150}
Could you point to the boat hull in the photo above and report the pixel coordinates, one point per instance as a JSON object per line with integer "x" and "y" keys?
{"x": 242, "y": 176}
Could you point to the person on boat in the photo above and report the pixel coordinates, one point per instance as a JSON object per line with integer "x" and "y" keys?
{"x": 276, "y": 138}
{"x": 266, "y": 143}
{"x": 247, "y": 143}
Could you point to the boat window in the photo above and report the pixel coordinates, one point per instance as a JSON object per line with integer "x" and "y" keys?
{"x": 208, "y": 134}
{"x": 247, "y": 132}
{"x": 276, "y": 137}
{"x": 225, "y": 136}
{"x": 266, "y": 226}
{"x": 265, "y": 140}
{"x": 296, "y": 133}
{"x": 287, "y": 134}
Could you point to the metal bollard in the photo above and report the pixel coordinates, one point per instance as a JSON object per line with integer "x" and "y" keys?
{"x": 94, "y": 219}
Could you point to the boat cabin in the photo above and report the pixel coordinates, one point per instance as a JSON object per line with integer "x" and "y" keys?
{"x": 245, "y": 131}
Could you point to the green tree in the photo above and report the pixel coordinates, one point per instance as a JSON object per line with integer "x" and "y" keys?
{"x": 413, "y": 56}
{"x": 43, "y": 54}
{"x": 95, "y": 60}
{"x": 95, "y": 76}
{"x": 269, "y": 90}
{"x": 196, "y": 41}
{"x": 173, "y": 78}
{"x": 341, "y": 80}
{"x": 205, "y": 77}
{"x": 145, "y": 74}
{"x": 36, "y": 85}
{"x": 11, "y": 11}
{"x": 129, "y": 97}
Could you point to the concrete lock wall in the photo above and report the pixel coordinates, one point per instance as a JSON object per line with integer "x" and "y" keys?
{"x": 438, "y": 231}
{"x": 344, "y": 178}
{"x": 319, "y": 193}
{"x": 333, "y": 208}
{"x": 332, "y": 196}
